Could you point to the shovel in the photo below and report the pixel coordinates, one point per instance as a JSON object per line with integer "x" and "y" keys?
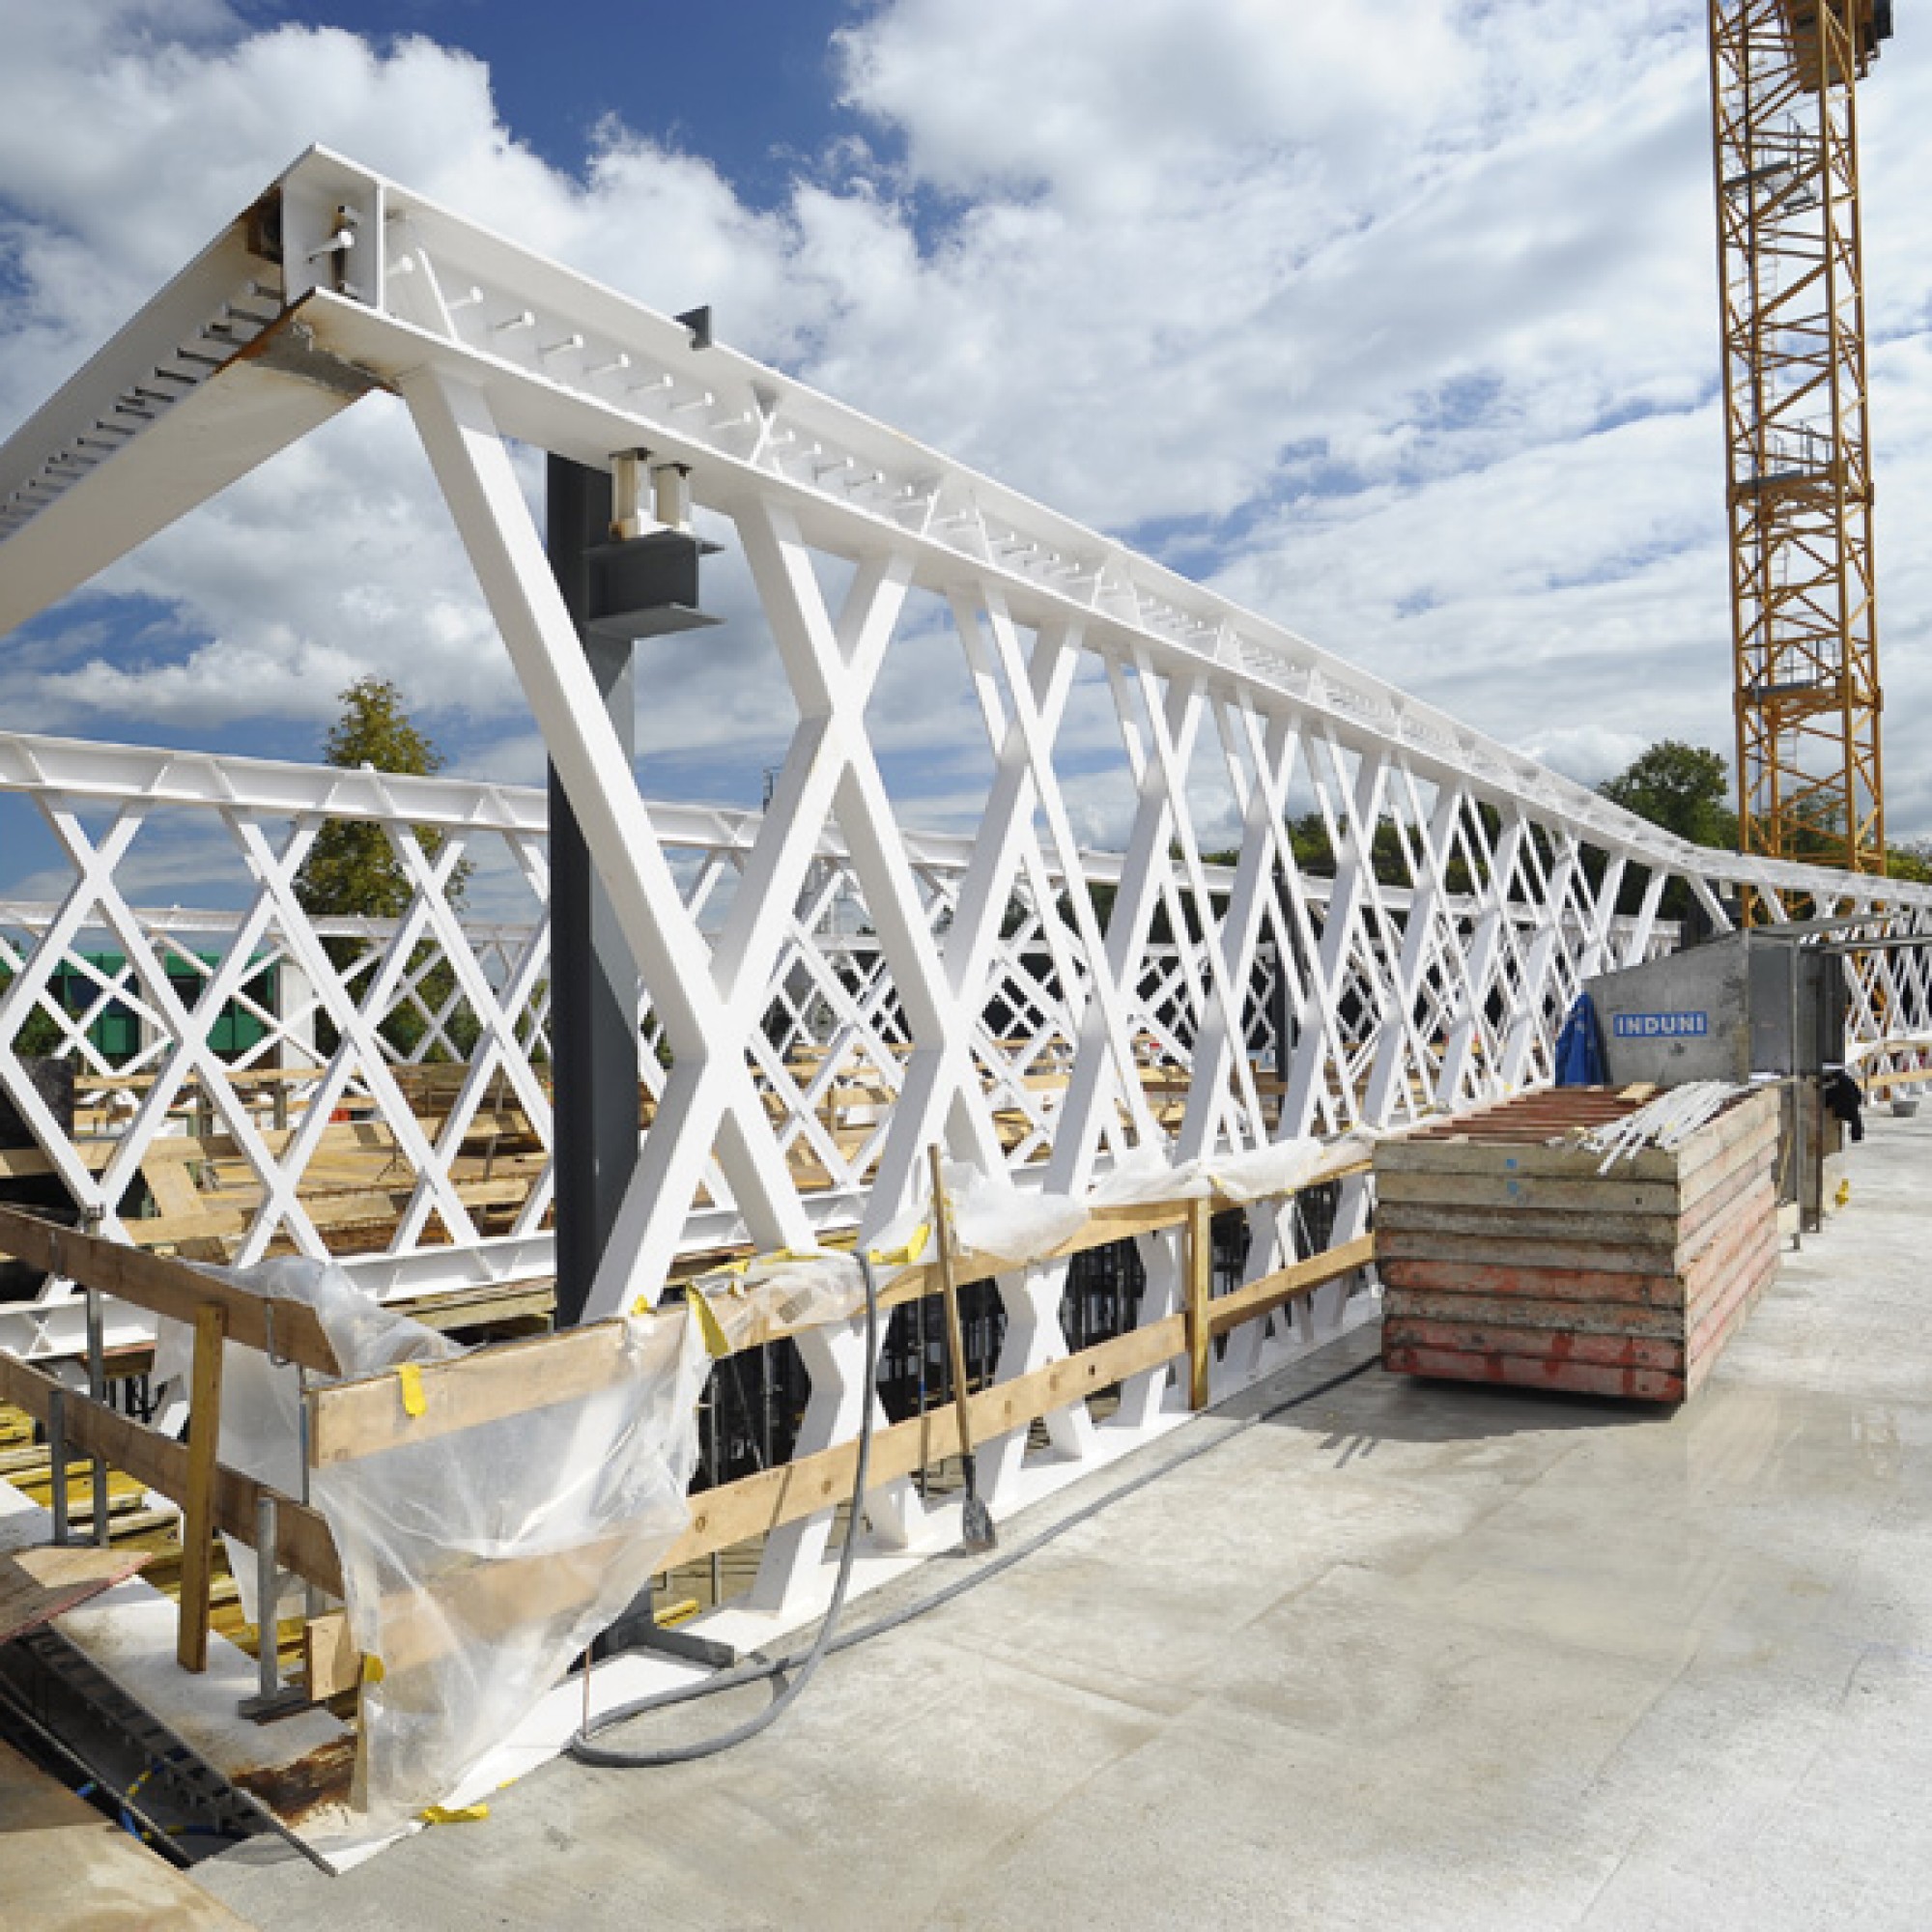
{"x": 979, "y": 1534}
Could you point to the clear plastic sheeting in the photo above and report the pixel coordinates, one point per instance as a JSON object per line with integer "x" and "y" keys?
{"x": 261, "y": 1401}
{"x": 1279, "y": 1167}
{"x": 990, "y": 1216}
{"x": 1142, "y": 1178}
{"x": 775, "y": 1296}
{"x": 481, "y": 1562}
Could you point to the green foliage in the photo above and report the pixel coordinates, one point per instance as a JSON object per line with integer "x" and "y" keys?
{"x": 1315, "y": 851}
{"x": 38, "y": 1035}
{"x": 1682, "y": 788}
{"x": 1910, "y": 862}
{"x": 352, "y": 870}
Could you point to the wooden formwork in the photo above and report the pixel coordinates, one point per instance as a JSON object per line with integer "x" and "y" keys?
{"x": 1508, "y": 1255}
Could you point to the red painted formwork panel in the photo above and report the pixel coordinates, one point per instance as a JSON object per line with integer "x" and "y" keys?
{"x": 1517, "y": 1262}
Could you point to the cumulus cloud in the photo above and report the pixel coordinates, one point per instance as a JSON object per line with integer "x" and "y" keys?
{"x": 1396, "y": 321}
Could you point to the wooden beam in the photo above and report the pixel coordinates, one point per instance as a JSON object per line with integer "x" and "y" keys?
{"x": 166, "y": 1287}
{"x": 1197, "y": 1261}
{"x": 197, "y": 1530}
{"x": 364, "y": 1418}
{"x": 330, "y": 1662}
{"x": 1256, "y": 1298}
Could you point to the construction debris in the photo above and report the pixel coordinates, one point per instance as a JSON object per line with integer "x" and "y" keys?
{"x": 1666, "y": 1123}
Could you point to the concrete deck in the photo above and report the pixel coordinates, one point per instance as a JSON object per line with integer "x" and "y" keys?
{"x": 1406, "y": 1656}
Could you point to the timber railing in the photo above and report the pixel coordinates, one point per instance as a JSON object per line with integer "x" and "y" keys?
{"x": 349, "y": 1419}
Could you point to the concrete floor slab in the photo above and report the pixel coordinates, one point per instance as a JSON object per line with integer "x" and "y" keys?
{"x": 1406, "y": 1655}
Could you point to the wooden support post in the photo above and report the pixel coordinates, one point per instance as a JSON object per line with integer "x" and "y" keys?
{"x": 1200, "y": 1265}
{"x": 203, "y": 1437}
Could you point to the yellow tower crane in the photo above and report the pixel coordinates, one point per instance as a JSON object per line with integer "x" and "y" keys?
{"x": 1783, "y": 91}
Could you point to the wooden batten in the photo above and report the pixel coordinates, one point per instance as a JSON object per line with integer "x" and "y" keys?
{"x": 287, "y": 1330}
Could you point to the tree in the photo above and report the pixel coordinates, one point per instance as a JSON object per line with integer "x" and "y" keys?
{"x": 1910, "y": 862}
{"x": 1682, "y": 788}
{"x": 352, "y": 870}
{"x": 1685, "y": 789}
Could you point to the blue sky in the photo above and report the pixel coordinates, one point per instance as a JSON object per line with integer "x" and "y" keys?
{"x": 750, "y": 84}
{"x": 1393, "y": 318}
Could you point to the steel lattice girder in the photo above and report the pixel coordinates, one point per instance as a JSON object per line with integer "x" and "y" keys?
{"x": 1398, "y": 998}
{"x": 997, "y": 1000}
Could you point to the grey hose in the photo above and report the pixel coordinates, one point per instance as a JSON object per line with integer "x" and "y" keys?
{"x": 806, "y": 1662}
{"x": 827, "y": 1643}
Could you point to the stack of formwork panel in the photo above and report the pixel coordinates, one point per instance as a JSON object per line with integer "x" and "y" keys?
{"x": 1508, "y": 1255}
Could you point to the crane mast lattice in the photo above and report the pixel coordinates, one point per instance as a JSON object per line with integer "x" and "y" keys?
{"x": 1807, "y": 698}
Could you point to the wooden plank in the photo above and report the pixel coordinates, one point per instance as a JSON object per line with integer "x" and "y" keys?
{"x": 1729, "y": 1317}
{"x": 1655, "y": 1235}
{"x": 1495, "y": 1246}
{"x": 1404, "y": 1277}
{"x": 1752, "y": 1225}
{"x": 1530, "y": 1273}
{"x": 1264, "y": 1296}
{"x": 1533, "y": 1193}
{"x": 1520, "y": 1372}
{"x": 1661, "y": 1320}
{"x": 203, "y": 1434}
{"x": 1756, "y": 1150}
{"x": 1420, "y": 1171}
{"x": 172, "y": 1185}
{"x": 66, "y": 1868}
{"x": 30, "y": 1163}
{"x": 221, "y": 1217}
{"x": 1471, "y": 1144}
{"x": 1705, "y": 1220}
{"x": 166, "y": 1287}
{"x": 1658, "y": 1240}
{"x": 1198, "y": 1263}
{"x": 1553, "y": 1345}
{"x": 757, "y": 1504}
{"x": 302, "y": 1543}
{"x": 1732, "y": 1299}
{"x": 37, "y": 1585}
{"x": 365, "y": 1417}
{"x": 330, "y": 1662}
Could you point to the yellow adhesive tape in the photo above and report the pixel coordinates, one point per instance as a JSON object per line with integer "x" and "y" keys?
{"x": 708, "y": 1326}
{"x": 906, "y": 1255}
{"x": 414, "y": 1400}
{"x": 456, "y": 1814}
{"x": 372, "y": 1669}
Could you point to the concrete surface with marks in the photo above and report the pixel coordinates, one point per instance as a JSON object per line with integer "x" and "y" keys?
{"x": 1406, "y": 1655}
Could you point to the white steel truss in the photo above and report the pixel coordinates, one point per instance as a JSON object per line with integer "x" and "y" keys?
{"x": 1400, "y": 921}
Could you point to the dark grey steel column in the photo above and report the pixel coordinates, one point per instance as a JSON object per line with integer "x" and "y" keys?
{"x": 593, "y": 981}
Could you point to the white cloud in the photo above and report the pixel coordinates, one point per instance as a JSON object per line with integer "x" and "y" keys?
{"x": 1397, "y": 320}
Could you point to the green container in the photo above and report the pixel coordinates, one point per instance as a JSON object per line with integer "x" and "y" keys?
{"x": 116, "y": 1031}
